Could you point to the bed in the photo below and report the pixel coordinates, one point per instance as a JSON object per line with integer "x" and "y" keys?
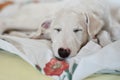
{"x": 19, "y": 57}
{"x": 17, "y": 66}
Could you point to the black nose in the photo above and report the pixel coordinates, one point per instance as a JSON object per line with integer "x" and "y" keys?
{"x": 63, "y": 53}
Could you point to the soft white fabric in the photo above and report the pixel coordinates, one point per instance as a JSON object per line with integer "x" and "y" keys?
{"x": 11, "y": 48}
{"x": 91, "y": 58}
{"x": 106, "y": 58}
{"x": 36, "y": 51}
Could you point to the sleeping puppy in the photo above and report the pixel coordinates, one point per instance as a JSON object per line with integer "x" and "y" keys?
{"x": 73, "y": 26}
{"x": 69, "y": 31}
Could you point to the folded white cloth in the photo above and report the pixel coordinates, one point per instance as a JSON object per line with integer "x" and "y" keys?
{"x": 11, "y": 48}
{"x": 91, "y": 58}
{"x": 36, "y": 51}
{"x": 106, "y": 58}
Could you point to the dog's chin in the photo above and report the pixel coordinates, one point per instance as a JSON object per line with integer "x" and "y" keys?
{"x": 60, "y": 59}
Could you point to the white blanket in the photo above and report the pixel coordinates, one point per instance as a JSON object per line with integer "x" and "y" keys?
{"x": 91, "y": 58}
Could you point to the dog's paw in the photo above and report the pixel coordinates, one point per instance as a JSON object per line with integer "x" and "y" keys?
{"x": 104, "y": 38}
{"x": 34, "y": 35}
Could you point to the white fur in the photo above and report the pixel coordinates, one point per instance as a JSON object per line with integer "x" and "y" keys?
{"x": 74, "y": 16}
{"x": 68, "y": 21}
{"x": 88, "y": 16}
{"x": 27, "y": 17}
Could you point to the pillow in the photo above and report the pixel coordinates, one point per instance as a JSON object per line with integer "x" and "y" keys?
{"x": 12, "y": 67}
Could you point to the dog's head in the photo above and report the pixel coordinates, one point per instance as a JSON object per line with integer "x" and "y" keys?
{"x": 69, "y": 31}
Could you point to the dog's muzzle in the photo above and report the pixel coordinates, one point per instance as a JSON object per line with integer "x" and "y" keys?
{"x": 64, "y": 53}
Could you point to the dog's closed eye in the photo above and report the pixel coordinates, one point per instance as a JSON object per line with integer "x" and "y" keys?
{"x": 57, "y": 29}
{"x": 77, "y": 30}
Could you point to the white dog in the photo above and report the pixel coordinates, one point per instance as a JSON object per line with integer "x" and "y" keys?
{"x": 80, "y": 21}
{"x": 74, "y": 24}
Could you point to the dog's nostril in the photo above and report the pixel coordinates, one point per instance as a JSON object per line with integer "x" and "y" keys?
{"x": 63, "y": 53}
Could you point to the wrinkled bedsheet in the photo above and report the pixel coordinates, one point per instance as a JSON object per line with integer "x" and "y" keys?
{"x": 91, "y": 59}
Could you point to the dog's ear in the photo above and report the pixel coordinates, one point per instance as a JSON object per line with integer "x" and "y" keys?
{"x": 46, "y": 24}
{"x": 94, "y": 24}
{"x": 42, "y": 31}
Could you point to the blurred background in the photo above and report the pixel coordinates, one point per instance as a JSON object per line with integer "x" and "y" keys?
{"x": 4, "y": 3}
{"x": 24, "y": 1}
